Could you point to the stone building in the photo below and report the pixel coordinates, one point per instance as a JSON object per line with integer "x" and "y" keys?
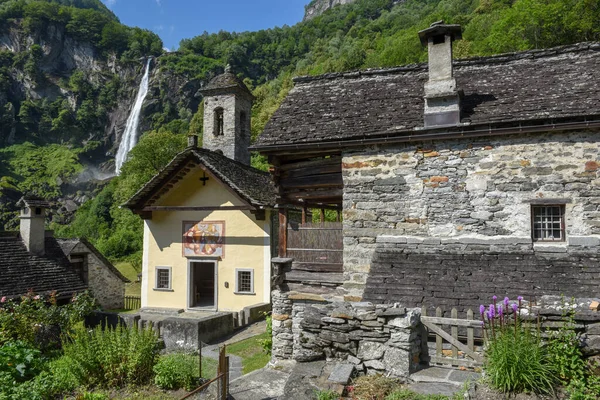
{"x": 458, "y": 179}
{"x": 33, "y": 259}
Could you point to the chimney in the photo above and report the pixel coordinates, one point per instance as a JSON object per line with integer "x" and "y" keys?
{"x": 192, "y": 141}
{"x": 442, "y": 99}
{"x": 33, "y": 215}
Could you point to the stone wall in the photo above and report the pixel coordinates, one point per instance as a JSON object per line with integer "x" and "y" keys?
{"x": 374, "y": 338}
{"x": 467, "y": 272}
{"x": 106, "y": 287}
{"x": 233, "y": 143}
{"x": 468, "y": 190}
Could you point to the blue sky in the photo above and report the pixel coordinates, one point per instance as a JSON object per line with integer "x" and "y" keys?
{"x": 174, "y": 20}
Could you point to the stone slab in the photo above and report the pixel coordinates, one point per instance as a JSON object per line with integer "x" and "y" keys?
{"x": 435, "y": 388}
{"x": 432, "y": 374}
{"x": 342, "y": 373}
{"x": 463, "y": 376}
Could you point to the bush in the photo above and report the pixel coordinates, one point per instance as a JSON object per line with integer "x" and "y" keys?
{"x": 38, "y": 320}
{"x": 327, "y": 395}
{"x": 175, "y": 371}
{"x": 112, "y": 357}
{"x": 19, "y": 361}
{"x": 267, "y": 344}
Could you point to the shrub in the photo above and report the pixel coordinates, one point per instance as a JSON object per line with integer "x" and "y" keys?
{"x": 516, "y": 361}
{"x": 112, "y": 357}
{"x": 405, "y": 394}
{"x": 38, "y": 320}
{"x": 267, "y": 344}
{"x": 327, "y": 395}
{"x": 20, "y": 361}
{"x": 175, "y": 371}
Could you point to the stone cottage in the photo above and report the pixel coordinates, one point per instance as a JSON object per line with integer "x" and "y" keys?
{"x": 33, "y": 259}
{"x": 207, "y": 217}
{"x": 458, "y": 179}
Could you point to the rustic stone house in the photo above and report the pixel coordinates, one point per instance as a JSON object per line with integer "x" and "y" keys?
{"x": 457, "y": 179}
{"x": 33, "y": 259}
{"x": 207, "y": 217}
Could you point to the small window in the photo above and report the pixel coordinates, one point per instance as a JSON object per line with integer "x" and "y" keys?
{"x": 219, "y": 129}
{"x": 163, "y": 278}
{"x": 548, "y": 223}
{"x": 243, "y": 130}
{"x": 244, "y": 281}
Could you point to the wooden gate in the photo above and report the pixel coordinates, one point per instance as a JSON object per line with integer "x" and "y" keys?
{"x": 461, "y": 355}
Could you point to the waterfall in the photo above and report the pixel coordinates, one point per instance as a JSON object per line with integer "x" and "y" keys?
{"x": 129, "y": 138}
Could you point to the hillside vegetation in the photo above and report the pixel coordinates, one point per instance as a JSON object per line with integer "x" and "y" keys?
{"x": 364, "y": 34}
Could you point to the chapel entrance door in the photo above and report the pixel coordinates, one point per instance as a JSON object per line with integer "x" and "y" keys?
{"x": 203, "y": 289}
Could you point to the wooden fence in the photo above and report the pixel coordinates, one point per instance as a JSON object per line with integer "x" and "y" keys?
{"x": 317, "y": 246}
{"x": 461, "y": 354}
{"x": 222, "y": 378}
{"x": 132, "y": 302}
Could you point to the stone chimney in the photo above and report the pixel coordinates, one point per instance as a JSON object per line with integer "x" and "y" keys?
{"x": 192, "y": 141}
{"x": 442, "y": 98}
{"x": 33, "y": 215}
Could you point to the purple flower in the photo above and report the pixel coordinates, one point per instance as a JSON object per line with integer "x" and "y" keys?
{"x": 481, "y": 309}
{"x": 520, "y": 298}
{"x": 500, "y": 310}
{"x": 494, "y": 297}
{"x": 492, "y": 311}
{"x": 506, "y": 299}
{"x": 515, "y": 307}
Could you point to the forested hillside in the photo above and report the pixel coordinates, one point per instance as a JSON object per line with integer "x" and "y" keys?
{"x": 363, "y": 34}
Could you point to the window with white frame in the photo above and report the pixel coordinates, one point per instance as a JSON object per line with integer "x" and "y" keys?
{"x": 163, "y": 278}
{"x": 244, "y": 281}
{"x": 548, "y": 223}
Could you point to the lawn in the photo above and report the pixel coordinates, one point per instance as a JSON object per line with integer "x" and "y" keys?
{"x": 251, "y": 352}
{"x": 134, "y": 288}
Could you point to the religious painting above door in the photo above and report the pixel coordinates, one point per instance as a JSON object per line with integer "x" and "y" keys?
{"x": 204, "y": 238}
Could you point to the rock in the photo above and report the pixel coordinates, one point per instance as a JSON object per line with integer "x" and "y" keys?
{"x": 397, "y": 362}
{"x": 353, "y": 360}
{"x": 370, "y": 350}
{"x": 375, "y": 364}
{"x": 342, "y": 373}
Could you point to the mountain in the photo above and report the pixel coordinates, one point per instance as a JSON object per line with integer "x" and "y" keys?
{"x": 318, "y": 7}
{"x": 70, "y": 71}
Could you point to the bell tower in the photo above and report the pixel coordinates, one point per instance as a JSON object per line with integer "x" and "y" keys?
{"x": 227, "y": 108}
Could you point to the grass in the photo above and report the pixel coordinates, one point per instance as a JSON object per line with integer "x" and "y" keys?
{"x": 134, "y": 288}
{"x": 251, "y": 352}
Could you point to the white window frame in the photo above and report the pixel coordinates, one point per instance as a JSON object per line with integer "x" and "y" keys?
{"x": 170, "y": 270}
{"x": 237, "y": 283}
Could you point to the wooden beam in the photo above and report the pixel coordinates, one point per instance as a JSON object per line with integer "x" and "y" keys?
{"x": 313, "y": 181}
{"x": 283, "y": 221}
{"x": 207, "y": 208}
{"x": 304, "y": 210}
{"x": 322, "y": 215}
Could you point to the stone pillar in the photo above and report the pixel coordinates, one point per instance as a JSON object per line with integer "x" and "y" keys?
{"x": 283, "y": 339}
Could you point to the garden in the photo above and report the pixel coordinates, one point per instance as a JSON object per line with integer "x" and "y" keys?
{"x": 47, "y": 352}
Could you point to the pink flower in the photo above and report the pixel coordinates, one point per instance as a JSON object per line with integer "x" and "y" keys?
{"x": 3, "y": 299}
{"x": 37, "y": 297}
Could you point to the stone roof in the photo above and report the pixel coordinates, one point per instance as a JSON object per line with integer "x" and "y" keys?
{"x": 251, "y": 184}
{"x": 67, "y": 246}
{"x": 225, "y": 82}
{"x": 21, "y": 271}
{"x": 540, "y": 85}
{"x": 33, "y": 201}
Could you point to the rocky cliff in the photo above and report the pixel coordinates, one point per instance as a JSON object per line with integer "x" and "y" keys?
{"x": 318, "y": 7}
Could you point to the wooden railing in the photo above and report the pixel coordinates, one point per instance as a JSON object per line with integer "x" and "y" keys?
{"x": 462, "y": 355}
{"x": 222, "y": 377}
{"x": 132, "y": 302}
{"x": 316, "y": 243}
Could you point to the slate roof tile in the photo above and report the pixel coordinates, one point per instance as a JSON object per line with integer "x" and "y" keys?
{"x": 541, "y": 84}
{"x": 21, "y": 271}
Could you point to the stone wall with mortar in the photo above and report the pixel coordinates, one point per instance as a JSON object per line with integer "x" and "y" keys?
{"x": 381, "y": 338}
{"x": 459, "y": 192}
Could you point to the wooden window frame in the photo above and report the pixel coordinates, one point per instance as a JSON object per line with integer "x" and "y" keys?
{"x": 534, "y": 228}
{"x": 237, "y": 281}
{"x": 156, "y": 276}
